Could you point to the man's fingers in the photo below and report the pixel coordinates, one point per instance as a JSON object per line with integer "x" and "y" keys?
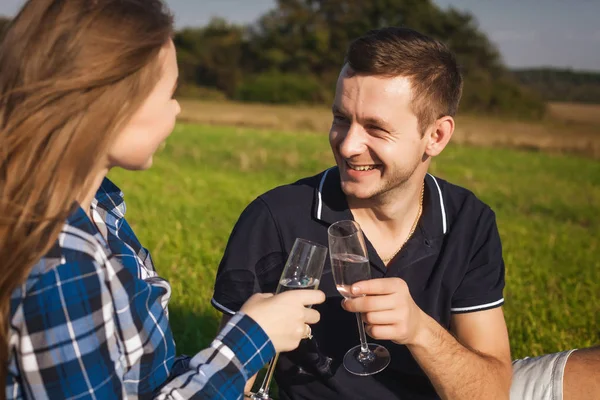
{"x": 370, "y": 303}
{"x": 378, "y": 286}
{"x": 380, "y": 332}
{"x": 387, "y": 317}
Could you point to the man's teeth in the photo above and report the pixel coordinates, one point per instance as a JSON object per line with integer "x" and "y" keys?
{"x": 362, "y": 167}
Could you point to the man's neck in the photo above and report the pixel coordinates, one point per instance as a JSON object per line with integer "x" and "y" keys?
{"x": 392, "y": 213}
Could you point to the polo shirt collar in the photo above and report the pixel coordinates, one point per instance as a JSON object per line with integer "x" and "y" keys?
{"x": 330, "y": 204}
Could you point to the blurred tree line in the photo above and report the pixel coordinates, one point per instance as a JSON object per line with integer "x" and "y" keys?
{"x": 562, "y": 84}
{"x": 4, "y": 21}
{"x": 293, "y": 54}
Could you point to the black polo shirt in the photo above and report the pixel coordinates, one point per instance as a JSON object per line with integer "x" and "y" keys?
{"x": 452, "y": 264}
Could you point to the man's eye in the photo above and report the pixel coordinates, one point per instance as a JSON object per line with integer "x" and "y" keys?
{"x": 377, "y": 129}
{"x": 339, "y": 119}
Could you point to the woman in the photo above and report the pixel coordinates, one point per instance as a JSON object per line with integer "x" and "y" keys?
{"x": 86, "y": 86}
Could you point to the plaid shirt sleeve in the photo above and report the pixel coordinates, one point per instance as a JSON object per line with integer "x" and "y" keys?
{"x": 222, "y": 370}
{"x": 73, "y": 336}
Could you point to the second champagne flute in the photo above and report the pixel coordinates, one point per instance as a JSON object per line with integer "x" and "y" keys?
{"x": 350, "y": 264}
{"x": 302, "y": 270}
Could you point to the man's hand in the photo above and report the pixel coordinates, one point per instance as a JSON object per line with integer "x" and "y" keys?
{"x": 391, "y": 314}
{"x": 388, "y": 310}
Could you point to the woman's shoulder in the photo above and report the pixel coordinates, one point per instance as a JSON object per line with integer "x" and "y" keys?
{"x": 76, "y": 252}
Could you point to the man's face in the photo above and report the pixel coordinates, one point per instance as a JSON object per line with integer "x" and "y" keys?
{"x": 375, "y": 135}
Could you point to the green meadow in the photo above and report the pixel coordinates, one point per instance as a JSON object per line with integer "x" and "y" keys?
{"x": 547, "y": 207}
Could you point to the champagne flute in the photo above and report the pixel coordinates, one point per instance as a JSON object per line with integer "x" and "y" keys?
{"x": 350, "y": 264}
{"x": 302, "y": 270}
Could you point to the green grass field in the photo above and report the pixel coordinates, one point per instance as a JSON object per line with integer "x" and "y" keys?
{"x": 547, "y": 206}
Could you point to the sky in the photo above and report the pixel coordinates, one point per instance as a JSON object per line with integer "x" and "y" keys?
{"x": 528, "y": 33}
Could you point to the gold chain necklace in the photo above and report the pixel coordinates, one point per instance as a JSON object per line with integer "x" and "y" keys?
{"x": 412, "y": 229}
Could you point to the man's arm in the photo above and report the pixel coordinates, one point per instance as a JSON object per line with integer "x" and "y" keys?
{"x": 473, "y": 361}
{"x": 474, "y": 364}
{"x": 582, "y": 372}
{"x": 570, "y": 375}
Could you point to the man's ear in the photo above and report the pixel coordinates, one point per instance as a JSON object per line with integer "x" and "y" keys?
{"x": 439, "y": 135}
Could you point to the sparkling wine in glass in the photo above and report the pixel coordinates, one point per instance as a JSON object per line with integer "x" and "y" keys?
{"x": 302, "y": 270}
{"x": 350, "y": 264}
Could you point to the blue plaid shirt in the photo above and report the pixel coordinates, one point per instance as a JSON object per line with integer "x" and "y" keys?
{"x": 91, "y": 322}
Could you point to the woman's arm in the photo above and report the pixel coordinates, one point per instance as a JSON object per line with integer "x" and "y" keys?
{"x": 78, "y": 334}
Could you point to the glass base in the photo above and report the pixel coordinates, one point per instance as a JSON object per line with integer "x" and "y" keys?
{"x": 260, "y": 396}
{"x": 375, "y": 361}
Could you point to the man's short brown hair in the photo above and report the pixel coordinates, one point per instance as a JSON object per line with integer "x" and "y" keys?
{"x": 432, "y": 69}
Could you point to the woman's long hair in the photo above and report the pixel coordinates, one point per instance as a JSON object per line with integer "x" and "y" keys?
{"x": 72, "y": 73}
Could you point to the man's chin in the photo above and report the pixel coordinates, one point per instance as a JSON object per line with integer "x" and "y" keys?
{"x": 356, "y": 191}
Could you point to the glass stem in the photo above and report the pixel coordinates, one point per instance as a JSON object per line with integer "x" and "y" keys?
{"x": 263, "y": 392}
{"x": 364, "y": 348}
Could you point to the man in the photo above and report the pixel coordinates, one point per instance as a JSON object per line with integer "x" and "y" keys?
{"x": 568, "y": 375}
{"x": 437, "y": 271}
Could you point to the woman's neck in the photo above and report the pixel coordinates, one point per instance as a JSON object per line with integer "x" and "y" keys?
{"x": 86, "y": 199}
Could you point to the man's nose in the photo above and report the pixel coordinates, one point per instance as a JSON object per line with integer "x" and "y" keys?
{"x": 353, "y": 142}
